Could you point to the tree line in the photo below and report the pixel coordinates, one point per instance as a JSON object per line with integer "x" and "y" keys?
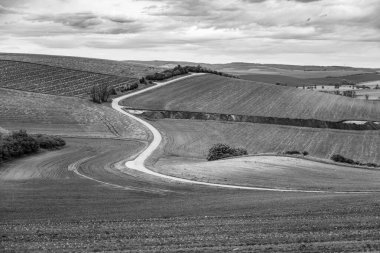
{"x": 179, "y": 70}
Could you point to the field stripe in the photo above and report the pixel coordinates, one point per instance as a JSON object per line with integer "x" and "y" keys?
{"x": 139, "y": 162}
{"x": 75, "y": 166}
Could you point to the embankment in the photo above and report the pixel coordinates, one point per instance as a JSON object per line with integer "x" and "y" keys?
{"x": 312, "y": 123}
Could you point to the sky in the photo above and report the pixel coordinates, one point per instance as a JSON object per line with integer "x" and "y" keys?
{"x": 302, "y": 32}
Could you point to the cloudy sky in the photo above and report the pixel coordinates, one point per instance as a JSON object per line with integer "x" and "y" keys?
{"x": 320, "y": 32}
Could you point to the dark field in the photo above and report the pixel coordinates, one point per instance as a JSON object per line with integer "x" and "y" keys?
{"x": 58, "y": 211}
{"x": 81, "y": 215}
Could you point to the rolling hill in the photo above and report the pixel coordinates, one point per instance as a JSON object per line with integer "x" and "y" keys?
{"x": 215, "y": 94}
{"x": 102, "y": 66}
{"x": 47, "y": 79}
{"x": 193, "y": 139}
{"x": 293, "y": 81}
{"x": 65, "y": 116}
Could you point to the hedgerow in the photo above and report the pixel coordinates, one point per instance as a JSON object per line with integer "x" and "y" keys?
{"x": 20, "y": 143}
{"x": 179, "y": 70}
{"x": 342, "y": 159}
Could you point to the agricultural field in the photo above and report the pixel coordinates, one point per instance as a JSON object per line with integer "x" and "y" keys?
{"x": 65, "y": 116}
{"x": 54, "y": 80}
{"x": 278, "y": 172}
{"x": 107, "y": 67}
{"x": 59, "y": 211}
{"x": 274, "y": 70}
{"x": 293, "y": 81}
{"x": 193, "y": 139}
{"x": 214, "y": 94}
{"x": 84, "y": 198}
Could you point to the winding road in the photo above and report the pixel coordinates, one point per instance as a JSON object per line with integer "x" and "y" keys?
{"x": 138, "y": 163}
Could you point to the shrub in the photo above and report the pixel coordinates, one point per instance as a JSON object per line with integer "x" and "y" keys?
{"x": 220, "y": 151}
{"x": 49, "y": 142}
{"x": 342, "y": 159}
{"x": 292, "y": 152}
{"x": 305, "y": 153}
{"x": 20, "y": 143}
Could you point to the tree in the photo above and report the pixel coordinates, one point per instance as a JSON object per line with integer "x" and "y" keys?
{"x": 100, "y": 93}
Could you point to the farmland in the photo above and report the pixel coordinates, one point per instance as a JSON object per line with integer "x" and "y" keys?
{"x": 57, "y": 210}
{"x": 54, "y": 80}
{"x": 192, "y": 139}
{"x": 214, "y": 94}
{"x": 101, "y": 66}
{"x": 293, "y": 81}
{"x": 83, "y": 197}
{"x": 278, "y": 172}
{"x": 65, "y": 116}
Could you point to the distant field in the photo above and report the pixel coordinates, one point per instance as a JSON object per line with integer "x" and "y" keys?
{"x": 244, "y": 68}
{"x": 192, "y": 139}
{"x": 102, "y": 66}
{"x": 39, "y": 113}
{"x": 53, "y": 80}
{"x": 293, "y": 81}
{"x": 210, "y": 93}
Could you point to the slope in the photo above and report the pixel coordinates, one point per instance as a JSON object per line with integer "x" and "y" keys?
{"x": 193, "y": 139}
{"x": 210, "y": 93}
{"x": 102, "y": 66}
{"x": 39, "y": 113}
{"x": 54, "y": 80}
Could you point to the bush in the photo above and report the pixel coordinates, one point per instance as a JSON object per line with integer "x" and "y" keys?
{"x": 292, "y": 152}
{"x": 305, "y": 153}
{"x": 220, "y": 151}
{"x": 20, "y": 143}
{"x": 49, "y": 142}
{"x": 342, "y": 159}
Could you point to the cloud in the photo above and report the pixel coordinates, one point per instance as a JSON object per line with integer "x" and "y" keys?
{"x": 87, "y": 22}
{"x": 5, "y": 10}
{"x": 235, "y": 28}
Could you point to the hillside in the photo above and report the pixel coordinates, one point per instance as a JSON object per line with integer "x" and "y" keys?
{"x": 101, "y": 66}
{"x": 39, "y": 113}
{"x": 54, "y": 80}
{"x": 293, "y": 81}
{"x": 210, "y": 93}
{"x": 244, "y": 68}
{"x": 189, "y": 138}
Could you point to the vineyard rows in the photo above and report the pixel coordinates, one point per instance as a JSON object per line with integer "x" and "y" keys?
{"x": 54, "y": 80}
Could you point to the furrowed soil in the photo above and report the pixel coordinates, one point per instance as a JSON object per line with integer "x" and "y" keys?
{"x": 78, "y": 215}
{"x": 215, "y": 94}
{"x": 108, "y": 67}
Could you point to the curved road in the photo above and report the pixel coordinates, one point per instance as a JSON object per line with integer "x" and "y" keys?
{"x": 139, "y": 162}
